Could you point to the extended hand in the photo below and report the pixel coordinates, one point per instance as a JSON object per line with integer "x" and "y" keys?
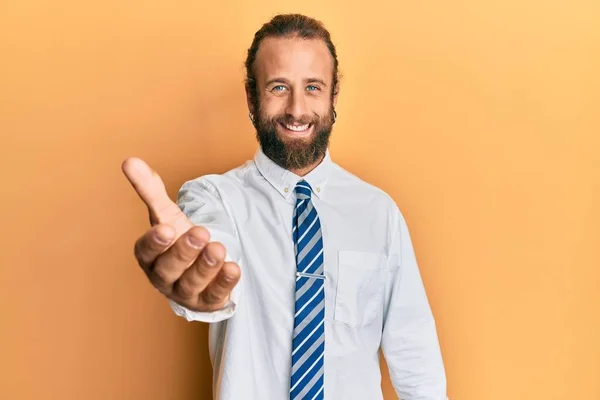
{"x": 174, "y": 253}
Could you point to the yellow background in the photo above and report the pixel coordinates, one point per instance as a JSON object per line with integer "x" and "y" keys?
{"x": 480, "y": 118}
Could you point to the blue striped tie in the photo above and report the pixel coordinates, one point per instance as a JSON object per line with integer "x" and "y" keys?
{"x": 308, "y": 343}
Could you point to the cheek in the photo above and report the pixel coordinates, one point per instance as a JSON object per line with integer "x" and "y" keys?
{"x": 272, "y": 106}
{"x": 321, "y": 107}
{"x": 318, "y": 99}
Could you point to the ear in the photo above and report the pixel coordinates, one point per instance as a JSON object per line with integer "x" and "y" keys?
{"x": 336, "y": 91}
{"x": 249, "y": 100}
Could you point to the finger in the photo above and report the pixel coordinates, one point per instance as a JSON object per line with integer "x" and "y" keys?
{"x": 155, "y": 241}
{"x": 151, "y": 189}
{"x": 170, "y": 265}
{"x": 217, "y": 292}
{"x": 195, "y": 279}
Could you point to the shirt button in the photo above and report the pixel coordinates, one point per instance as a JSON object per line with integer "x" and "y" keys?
{"x": 286, "y": 190}
{"x": 318, "y": 189}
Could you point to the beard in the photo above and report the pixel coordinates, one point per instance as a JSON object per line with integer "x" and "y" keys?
{"x": 293, "y": 153}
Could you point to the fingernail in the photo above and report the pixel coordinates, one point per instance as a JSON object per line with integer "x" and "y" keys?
{"x": 195, "y": 242}
{"x": 209, "y": 259}
{"x": 163, "y": 239}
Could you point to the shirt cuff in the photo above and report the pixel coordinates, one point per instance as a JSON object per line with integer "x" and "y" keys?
{"x": 224, "y": 313}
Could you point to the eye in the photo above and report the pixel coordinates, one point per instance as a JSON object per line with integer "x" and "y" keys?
{"x": 312, "y": 88}
{"x": 278, "y": 88}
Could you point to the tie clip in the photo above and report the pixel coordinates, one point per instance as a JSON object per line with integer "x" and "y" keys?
{"x": 307, "y": 275}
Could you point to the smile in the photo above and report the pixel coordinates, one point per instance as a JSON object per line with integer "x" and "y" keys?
{"x": 297, "y": 128}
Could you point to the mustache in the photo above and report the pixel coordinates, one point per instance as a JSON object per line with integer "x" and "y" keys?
{"x": 288, "y": 119}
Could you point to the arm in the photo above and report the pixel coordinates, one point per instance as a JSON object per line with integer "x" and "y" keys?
{"x": 201, "y": 202}
{"x": 409, "y": 342}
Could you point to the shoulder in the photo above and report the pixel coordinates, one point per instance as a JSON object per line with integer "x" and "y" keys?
{"x": 219, "y": 184}
{"x": 352, "y": 185}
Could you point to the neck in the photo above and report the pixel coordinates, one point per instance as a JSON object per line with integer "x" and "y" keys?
{"x": 304, "y": 171}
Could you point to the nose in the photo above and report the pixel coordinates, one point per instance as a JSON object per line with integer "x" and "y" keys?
{"x": 296, "y": 106}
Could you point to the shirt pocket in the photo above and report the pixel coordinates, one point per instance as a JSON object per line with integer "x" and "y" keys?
{"x": 359, "y": 293}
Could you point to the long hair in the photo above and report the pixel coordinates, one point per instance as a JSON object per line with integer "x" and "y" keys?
{"x": 289, "y": 25}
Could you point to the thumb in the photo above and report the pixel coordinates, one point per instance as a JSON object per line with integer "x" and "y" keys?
{"x": 151, "y": 189}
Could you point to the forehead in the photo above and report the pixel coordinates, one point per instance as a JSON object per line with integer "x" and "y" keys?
{"x": 293, "y": 58}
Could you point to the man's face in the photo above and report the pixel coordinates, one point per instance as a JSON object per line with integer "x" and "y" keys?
{"x": 294, "y": 104}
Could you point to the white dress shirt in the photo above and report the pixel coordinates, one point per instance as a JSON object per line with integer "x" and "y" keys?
{"x": 374, "y": 295}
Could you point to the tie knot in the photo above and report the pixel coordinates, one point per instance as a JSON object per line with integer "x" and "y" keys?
{"x": 303, "y": 190}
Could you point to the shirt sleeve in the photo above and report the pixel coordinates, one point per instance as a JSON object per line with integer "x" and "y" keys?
{"x": 202, "y": 203}
{"x": 409, "y": 341}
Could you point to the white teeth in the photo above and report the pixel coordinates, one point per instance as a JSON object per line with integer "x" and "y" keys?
{"x": 297, "y": 128}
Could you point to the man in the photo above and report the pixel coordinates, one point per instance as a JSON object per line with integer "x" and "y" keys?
{"x": 303, "y": 270}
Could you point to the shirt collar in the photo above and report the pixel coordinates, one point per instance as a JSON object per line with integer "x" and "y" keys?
{"x": 284, "y": 181}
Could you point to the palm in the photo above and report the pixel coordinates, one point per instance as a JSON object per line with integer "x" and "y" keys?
{"x": 170, "y": 251}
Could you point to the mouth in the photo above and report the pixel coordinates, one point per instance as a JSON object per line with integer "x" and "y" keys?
{"x": 297, "y": 130}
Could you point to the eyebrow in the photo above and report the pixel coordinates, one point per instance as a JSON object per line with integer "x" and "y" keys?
{"x": 286, "y": 81}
